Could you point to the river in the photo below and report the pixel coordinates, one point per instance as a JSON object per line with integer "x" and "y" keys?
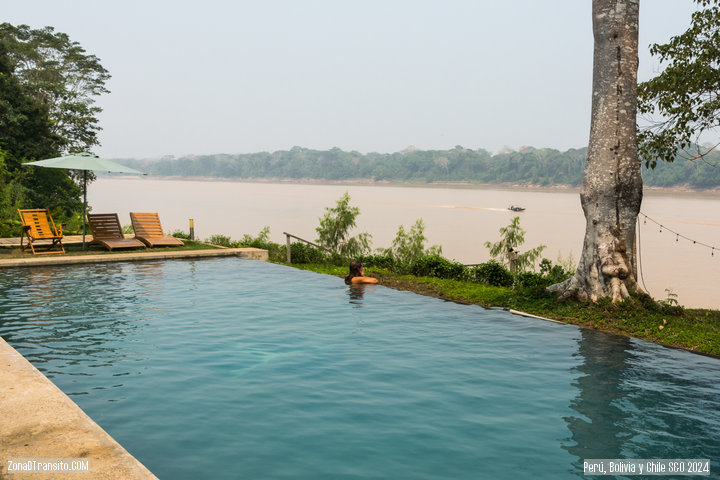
{"x": 459, "y": 219}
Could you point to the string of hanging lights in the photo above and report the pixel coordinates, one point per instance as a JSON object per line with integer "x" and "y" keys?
{"x": 662, "y": 228}
{"x": 678, "y": 235}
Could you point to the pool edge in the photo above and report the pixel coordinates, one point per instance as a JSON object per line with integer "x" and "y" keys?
{"x": 252, "y": 253}
{"x": 40, "y": 421}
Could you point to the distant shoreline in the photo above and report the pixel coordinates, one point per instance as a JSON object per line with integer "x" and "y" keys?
{"x": 459, "y": 185}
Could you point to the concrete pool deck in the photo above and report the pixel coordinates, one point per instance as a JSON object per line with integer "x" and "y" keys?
{"x": 40, "y": 422}
{"x": 65, "y": 259}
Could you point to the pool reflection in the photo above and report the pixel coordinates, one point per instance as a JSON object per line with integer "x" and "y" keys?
{"x": 356, "y": 292}
{"x": 599, "y": 430}
{"x": 67, "y": 320}
{"x": 639, "y": 400}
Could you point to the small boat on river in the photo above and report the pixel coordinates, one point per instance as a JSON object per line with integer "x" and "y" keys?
{"x": 516, "y": 208}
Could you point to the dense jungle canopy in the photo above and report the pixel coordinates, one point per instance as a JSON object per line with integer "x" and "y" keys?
{"x": 543, "y": 167}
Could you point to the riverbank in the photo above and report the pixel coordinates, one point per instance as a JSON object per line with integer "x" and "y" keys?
{"x": 369, "y": 182}
{"x": 694, "y": 330}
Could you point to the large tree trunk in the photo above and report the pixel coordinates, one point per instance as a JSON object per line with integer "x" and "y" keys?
{"x": 612, "y": 185}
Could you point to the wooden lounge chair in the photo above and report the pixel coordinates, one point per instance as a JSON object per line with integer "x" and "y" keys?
{"x": 149, "y": 231}
{"x": 106, "y": 231}
{"x": 39, "y": 227}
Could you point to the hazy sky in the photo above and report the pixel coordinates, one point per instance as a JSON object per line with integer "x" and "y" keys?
{"x": 202, "y": 77}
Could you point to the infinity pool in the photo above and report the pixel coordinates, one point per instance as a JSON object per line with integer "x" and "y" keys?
{"x": 235, "y": 368}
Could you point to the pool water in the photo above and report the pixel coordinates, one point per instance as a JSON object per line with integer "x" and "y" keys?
{"x": 233, "y": 368}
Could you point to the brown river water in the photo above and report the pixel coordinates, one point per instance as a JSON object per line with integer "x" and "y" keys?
{"x": 458, "y": 219}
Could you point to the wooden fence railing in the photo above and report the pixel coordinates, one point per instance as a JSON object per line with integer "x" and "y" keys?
{"x": 287, "y": 245}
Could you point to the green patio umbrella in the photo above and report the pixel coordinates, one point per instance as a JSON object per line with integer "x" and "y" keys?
{"x": 84, "y": 161}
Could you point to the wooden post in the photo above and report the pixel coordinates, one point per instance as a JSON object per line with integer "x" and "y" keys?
{"x": 288, "y": 235}
{"x": 287, "y": 242}
{"x": 512, "y": 257}
{"x": 192, "y": 229}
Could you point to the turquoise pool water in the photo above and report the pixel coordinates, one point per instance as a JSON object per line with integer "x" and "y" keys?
{"x": 233, "y": 368}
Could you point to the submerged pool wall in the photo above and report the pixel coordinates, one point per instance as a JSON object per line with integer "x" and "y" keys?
{"x": 40, "y": 422}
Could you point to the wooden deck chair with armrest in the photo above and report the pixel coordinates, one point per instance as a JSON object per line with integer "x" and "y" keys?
{"x": 38, "y": 226}
{"x": 149, "y": 230}
{"x": 106, "y": 231}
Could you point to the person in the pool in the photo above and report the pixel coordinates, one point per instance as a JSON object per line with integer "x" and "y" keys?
{"x": 357, "y": 274}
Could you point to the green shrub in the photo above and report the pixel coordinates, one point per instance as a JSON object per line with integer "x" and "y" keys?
{"x": 262, "y": 238}
{"x": 276, "y": 252}
{"x": 555, "y": 273}
{"x": 531, "y": 280}
{"x": 301, "y": 252}
{"x": 381, "y": 261}
{"x": 73, "y": 222}
{"x": 10, "y": 228}
{"x": 497, "y": 275}
{"x": 437, "y": 266}
{"x": 493, "y": 274}
{"x": 179, "y": 234}
{"x": 222, "y": 240}
{"x": 536, "y": 283}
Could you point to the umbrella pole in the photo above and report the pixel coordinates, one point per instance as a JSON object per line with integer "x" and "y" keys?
{"x": 84, "y": 204}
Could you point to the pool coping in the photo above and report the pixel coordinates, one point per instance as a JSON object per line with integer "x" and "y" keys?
{"x": 41, "y": 422}
{"x": 252, "y": 253}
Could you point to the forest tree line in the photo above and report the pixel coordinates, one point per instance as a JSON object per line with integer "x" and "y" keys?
{"x": 528, "y": 165}
{"x": 48, "y": 86}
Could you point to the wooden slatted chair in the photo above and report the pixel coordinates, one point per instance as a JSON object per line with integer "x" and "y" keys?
{"x": 106, "y": 231}
{"x": 40, "y": 230}
{"x": 149, "y": 230}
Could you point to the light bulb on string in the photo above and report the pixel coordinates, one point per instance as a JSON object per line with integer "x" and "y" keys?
{"x": 677, "y": 234}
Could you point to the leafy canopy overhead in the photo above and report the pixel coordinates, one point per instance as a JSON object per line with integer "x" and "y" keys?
{"x": 683, "y": 103}
{"x": 25, "y": 132}
{"x": 47, "y": 85}
{"x": 59, "y": 74}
